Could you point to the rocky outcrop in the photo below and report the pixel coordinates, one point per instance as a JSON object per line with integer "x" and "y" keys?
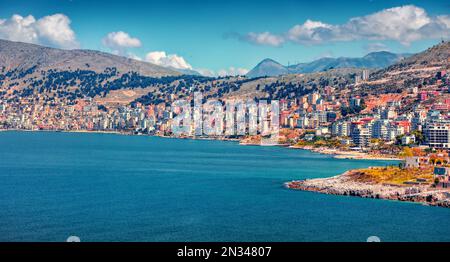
{"x": 346, "y": 185}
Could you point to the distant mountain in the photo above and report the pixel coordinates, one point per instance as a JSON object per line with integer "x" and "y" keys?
{"x": 22, "y": 56}
{"x": 269, "y": 67}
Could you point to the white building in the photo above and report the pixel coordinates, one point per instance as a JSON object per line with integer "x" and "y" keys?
{"x": 341, "y": 129}
{"x": 437, "y": 135}
{"x": 365, "y": 75}
{"x": 380, "y": 129}
{"x": 361, "y": 137}
{"x": 406, "y": 140}
{"x": 394, "y": 132}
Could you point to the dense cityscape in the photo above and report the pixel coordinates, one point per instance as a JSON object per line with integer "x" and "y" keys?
{"x": 320, "y": 115}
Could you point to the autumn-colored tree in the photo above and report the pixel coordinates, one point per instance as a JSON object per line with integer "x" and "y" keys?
{"x": 407, "y": 152}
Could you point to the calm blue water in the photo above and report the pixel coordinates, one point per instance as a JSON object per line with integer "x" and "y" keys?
{"x": 104, "y": 187}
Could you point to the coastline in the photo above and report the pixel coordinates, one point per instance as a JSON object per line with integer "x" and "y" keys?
{"x": 340, "y": 154}
{"x": 126, "y": 133}
{"x": 68, "y": 131}
{"x": 346, "y": 185}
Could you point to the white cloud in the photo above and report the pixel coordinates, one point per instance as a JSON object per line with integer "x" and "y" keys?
{"x": 161, "y": 58}
{"x": 167, "y": 60}
{"x": 53, "y": 30}
{"x": 443, "y": 20}
{"x": 404, "y": 24}
{"x": 119, "y": 41}
{"x": 265, "y": 38}
{"x": 308, "y": 32}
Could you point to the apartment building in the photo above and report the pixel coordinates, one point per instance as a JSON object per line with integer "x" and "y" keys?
{"x": 437, "y": 135}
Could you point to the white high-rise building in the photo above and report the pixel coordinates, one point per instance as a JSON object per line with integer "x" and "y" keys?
{"x": 344, "y": 129}
{"x": 361, "y": 137}
{"x": 437, "y": 135}
{"x": 365, "y": 75}
{"x": 380, "y": 129}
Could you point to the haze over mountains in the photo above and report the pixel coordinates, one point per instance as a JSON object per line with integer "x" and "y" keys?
{"x": 269, "y": 67}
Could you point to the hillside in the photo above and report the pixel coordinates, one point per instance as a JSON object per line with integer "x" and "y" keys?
{"x": 33, "y": 74}
{"x": 23, "y": 56}
{"x": 415, "y": 71}
{"x": 43, "y": 73}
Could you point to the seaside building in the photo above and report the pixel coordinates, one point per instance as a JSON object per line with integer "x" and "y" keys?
{"x": 416, "y": 161}
{"x": 394, "y": 131}
{"x": 437, "y": 135}
{"x": 380, "y": 129}
{"x": 361, "y": 137}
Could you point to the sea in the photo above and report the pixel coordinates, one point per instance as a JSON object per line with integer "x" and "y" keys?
{"x": 108, "y": 187}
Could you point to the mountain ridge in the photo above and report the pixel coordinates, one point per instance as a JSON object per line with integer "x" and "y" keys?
{"x": 24, "y": 56}
{"x": 371, "y": 60}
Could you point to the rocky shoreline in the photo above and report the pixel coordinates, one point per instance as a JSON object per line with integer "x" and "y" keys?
{"x": 346, "y": 185}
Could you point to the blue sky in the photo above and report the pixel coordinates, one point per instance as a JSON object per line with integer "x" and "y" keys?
{"x": 217, "y": 35}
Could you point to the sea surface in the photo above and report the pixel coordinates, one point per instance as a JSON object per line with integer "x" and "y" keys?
{"x": 106, "y": 187}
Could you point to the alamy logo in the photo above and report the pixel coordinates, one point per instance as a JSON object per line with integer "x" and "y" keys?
{"x": 233, "y": 117}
